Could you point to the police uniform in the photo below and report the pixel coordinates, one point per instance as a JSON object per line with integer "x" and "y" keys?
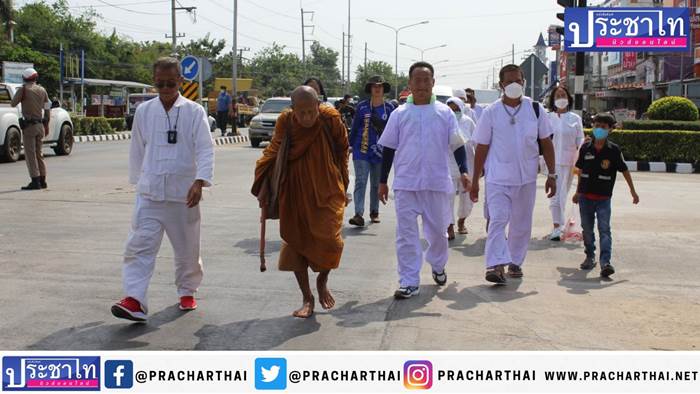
{"x": 36, "y": 109}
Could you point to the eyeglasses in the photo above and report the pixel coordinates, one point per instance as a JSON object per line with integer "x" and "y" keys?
{"x": 168, "y": 84}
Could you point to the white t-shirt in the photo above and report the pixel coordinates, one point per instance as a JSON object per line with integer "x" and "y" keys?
{"x": 513, "y": 148}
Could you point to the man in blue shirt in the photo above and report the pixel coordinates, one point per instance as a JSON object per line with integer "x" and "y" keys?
{"x": 370, "y": 119}
{"x": 223, "y": 109}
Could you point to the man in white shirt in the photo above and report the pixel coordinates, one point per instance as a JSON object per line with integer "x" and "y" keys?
{"x": 507, "y": 134}
{"x": 464, "y": 203}
{"x": 471, "y": 100}
{"x": 171, "y": 158}
{"x": 421, "y": 133}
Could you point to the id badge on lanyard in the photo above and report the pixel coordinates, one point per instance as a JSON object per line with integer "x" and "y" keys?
{"x": 172, "y": 131}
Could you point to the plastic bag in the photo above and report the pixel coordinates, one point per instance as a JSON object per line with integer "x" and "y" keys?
{"x": 573, "y": 230}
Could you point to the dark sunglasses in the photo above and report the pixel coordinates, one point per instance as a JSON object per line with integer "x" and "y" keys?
{"x": 169, "y": 84}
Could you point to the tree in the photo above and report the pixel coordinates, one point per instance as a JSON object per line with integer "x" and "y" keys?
{"x": 323, "y": 63}
{"x": 383, "y": 69}
{"x": 274, "y": 72}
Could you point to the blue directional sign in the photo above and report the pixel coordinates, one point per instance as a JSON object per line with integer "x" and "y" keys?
{"x": 190, "y": 67}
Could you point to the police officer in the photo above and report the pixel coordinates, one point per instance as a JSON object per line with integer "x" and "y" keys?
{"x": 36, "y": 111}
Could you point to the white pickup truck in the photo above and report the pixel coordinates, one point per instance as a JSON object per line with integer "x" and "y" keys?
{"x": 60, "y": 136}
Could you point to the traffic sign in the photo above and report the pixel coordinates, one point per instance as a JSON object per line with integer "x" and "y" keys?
{"x": 190, "y": 90}
{"x": 190, "y": 67}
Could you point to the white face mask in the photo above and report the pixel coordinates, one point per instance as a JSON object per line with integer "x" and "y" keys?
{"x": 561, "y": 103}
{"x": 514, "y": 90}
{"x": 458, "y": 114}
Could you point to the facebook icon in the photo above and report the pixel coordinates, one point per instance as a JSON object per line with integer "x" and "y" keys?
{"x": 119, "y": 374}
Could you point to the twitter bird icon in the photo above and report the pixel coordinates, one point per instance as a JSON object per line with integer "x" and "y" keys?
{"x": 270, "y": 373}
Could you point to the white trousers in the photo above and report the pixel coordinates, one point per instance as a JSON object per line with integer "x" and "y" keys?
{"x": 465, "y": 204}
{"x": 557, "y": 204}
{"x": 150, "y": 220}
{"x": 510, "y": 206}
{"x": 433, "y": 208}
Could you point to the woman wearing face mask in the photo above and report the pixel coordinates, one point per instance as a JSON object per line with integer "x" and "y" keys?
{"x": 568, "y": 137}
{"x": 466, "y": 128}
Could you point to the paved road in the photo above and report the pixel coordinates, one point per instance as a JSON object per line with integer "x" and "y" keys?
{"x": 60, "y": 265}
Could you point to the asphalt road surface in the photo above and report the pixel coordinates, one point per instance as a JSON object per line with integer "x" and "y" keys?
{"x": 61, "y": 253}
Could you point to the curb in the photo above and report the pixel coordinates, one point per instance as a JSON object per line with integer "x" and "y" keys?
{"x": 646, "y": 166}
{"x": 239, "y": 139}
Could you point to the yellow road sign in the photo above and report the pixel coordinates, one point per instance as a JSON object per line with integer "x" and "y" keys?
{"x": 190, "y": 90}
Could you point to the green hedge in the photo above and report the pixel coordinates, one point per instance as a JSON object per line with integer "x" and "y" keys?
{"x": 660, "y": 125}
{"x": 673, "y": 108}
{"x": 83, "y": 125}
{"x": 658, "y": 145}
{"x": 117, "y": 124}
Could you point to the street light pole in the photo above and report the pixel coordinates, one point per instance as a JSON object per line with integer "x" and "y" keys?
{"x": 396, "y": 48}
{"x": 422, "y": 51}
{"x": 234, "y": 70}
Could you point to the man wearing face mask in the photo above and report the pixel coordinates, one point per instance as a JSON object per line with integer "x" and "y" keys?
{"x": 507, "y": 137}
{"x": 224, "y": 109}
{"x": 599, "y": 161}
{"x": 171, "y": 159}
{"x": 422, "y": 134}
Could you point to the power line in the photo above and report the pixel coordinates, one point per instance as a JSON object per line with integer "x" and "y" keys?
{"x": 125, "y": 4}
{"x": 463, "y": 16}
{"x": 130, "y": 10}
{"x": 272, "y": 11}
{"x": 254, "y": 20}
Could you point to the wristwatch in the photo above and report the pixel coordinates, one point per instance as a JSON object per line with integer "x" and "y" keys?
{"x": 552, "y": 176}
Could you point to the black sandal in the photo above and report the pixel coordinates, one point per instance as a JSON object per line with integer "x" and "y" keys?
{"x": 514, "y": 271}
{"x": 496, "y": 275}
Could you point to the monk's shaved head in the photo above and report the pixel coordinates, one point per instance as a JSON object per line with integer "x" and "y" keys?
{"x": 305, "y": 105}
{"x": 304, "y": 94}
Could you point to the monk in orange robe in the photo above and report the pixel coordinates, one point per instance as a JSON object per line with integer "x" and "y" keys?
{"x": 312, "y": 192}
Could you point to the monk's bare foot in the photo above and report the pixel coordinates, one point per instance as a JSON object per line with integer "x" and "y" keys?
{"x": 324, "y": 295}
{"x": 306, "y": 310}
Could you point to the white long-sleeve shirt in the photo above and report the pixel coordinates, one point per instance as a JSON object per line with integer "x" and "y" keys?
{"x": 568, "y": 137}
{"x": 162, "y": 171}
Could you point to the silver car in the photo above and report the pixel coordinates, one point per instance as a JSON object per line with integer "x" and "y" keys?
{"x": 263, "y": 124}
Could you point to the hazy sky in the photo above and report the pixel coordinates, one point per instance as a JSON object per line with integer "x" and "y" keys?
{"x": 477, "y": 33}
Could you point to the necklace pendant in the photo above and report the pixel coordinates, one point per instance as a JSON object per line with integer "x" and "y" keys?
{"x": 512, "y": 120}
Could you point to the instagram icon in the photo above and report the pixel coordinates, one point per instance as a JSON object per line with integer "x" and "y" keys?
{"x": 418, "y": 375}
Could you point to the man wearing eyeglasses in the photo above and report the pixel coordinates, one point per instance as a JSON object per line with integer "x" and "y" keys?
{"x": 171, "y": 158}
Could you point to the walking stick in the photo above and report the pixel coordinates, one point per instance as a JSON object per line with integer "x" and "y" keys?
{"x": 263, "y": 266}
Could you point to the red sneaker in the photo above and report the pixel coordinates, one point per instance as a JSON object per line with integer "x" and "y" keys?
{"x": 130, "y": 309}
{"x": 188, "y": 303}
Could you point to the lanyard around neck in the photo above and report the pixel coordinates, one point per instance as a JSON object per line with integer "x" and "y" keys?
{"x": 177, "y": 119}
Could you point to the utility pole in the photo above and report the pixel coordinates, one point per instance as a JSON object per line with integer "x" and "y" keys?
{"x": 365, "y": 57}
{"x": 234, "y": 70}
{"x": 175, "y": 35}
{"x": 512, "y": 58}
{"x": 579, "y": 78}
{"x": 347, "y": 86}
{"x": 11, "y": 22}
{"x": 303, "y": 34}
{"x": 342, "y": 63}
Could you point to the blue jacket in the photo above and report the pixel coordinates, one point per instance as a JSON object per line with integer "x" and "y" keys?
{"x": 363, "y": 135}
{"x": 222, "y": 102}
